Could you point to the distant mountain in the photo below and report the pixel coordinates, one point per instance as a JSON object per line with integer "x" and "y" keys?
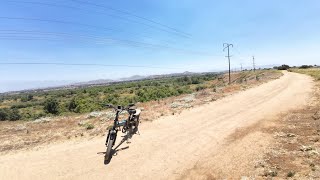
{"x": 101, "y": 82}
{"x": 94, "y": 82}
{"x": 132, "y": 78}
{"x": 21, "y": 85}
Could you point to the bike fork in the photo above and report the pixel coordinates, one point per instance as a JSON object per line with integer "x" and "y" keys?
{"x": 113, "y": 136}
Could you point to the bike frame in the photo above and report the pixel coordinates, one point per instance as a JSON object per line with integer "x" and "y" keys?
{"x": 114, "y": 131}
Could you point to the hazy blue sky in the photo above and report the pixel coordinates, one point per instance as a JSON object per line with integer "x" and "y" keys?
{"x": 276, "y": 32}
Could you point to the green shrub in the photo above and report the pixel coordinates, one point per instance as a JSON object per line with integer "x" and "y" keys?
{"x": 3, "y": 115}
{"x": 89, "y": 126}
{"x": 9, "y": 114}
{"x": 72, "y": 105}
{"x": 282, "y": 67}
{"x": 199, "y": 88}
{"x": 51, "y": 106}
{"x": 27, "y": 98}
{"x": 14, "y": 115}
{"x": 305, "y": 67}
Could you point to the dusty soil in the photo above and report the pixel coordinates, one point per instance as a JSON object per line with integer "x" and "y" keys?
{"x": 214, "y": 140}
{"x": 22, "y": 135}
{"x": 295, "y": 144}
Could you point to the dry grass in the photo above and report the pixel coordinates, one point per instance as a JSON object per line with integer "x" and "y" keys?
{"x": 296, "y": 149}
{"x": 314, "y": 72}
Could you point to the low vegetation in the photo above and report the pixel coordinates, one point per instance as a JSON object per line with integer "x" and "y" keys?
{"x": 61, "y": 102}
{"x": 282, "y": 67}
{"x": 287, "y": 67}
{"x": 314, "y": 72}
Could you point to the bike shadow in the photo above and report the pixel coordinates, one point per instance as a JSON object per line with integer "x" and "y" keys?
{"x": 117, "y": 149}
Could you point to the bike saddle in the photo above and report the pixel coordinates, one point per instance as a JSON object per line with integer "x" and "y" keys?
{"x": 132, "y": 111}
{"x": 137, "y": 113}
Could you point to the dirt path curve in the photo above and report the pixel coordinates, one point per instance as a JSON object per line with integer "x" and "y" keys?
{"x": 167, "y": 146}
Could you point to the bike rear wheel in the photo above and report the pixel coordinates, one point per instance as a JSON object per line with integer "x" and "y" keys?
{"x": 136, "y": 126}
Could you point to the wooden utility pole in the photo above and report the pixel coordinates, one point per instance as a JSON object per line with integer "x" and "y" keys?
{"x": 227, "y": 46}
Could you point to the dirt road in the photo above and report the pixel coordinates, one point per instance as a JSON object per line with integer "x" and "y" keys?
{"x": 166, "y": 147}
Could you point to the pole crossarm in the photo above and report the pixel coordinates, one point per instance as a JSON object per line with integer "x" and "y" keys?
{"x": 227, "y": 46}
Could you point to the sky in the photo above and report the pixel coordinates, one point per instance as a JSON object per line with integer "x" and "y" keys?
{"x": 154, "y": 37}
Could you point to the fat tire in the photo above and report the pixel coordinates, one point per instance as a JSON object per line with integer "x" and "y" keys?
{"x": 109, "y": 149}
{"x": 135, "y": 130}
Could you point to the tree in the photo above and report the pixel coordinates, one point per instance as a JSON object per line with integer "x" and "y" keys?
{"x": 27, "y": 98}
{"x": 51, "y": 106}
{"x": 195, "y": 80}
{"x": 72, "y": 105}
{"x": 9, "y": 114}
{"x": 282, "y": 67}
{"x": 305, "y": 66}
{"x": 3, "y": 115}
{"x": 14, "y": 115}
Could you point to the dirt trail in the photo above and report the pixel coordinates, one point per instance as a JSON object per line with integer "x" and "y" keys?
{"x": 166, "y": 147}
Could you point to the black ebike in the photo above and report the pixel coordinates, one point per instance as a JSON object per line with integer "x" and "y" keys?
{"x": 129, "y": 126}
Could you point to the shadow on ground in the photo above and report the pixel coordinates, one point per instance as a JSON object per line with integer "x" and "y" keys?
{"x": 117, "y": 149}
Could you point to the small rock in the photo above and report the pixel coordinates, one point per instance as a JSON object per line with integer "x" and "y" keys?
{"x": 175, "y": 105}
{"x": 306, "y": 148}
{"x": 109, "y": 115}
{"x": 95, "y": 114}
{"x": 20, "y": 127}
{"x": 291, "y": 135}
{"x": 188, "y": 99}
{"x": 316, "y": 116}
{"x": 280, "y": 134}
{"x": 42, "y": 120}
{"x": 272, "y": 173}
{"x": 82, "y": 122}
{"x": 314, "y": 152}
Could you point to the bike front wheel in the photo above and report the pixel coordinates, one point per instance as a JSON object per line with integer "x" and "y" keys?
{"x": 111, "y": 141}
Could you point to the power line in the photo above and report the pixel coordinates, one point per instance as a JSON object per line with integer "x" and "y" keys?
{"x": 131, "y": 14}
{"x": 90, "y": 64}
{"x": 76, "y": 8}
{"x": 79, "y": 64}
{"x": 111, "y": 15}
{"x": 227, "y": 46}
{"x": 55, "y": 34}
{"x": 16, "y": 34}
{"x": 55, "y": 21}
